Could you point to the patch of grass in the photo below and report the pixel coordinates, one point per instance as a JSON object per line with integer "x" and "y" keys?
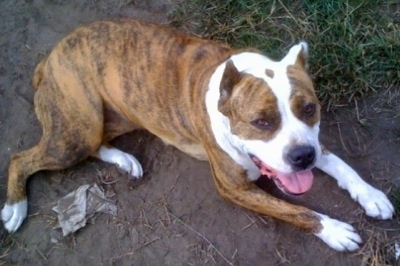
{"x": 354, "y": 45}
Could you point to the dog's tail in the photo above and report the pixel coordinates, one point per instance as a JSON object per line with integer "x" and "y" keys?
{"x": 38, "y": 74}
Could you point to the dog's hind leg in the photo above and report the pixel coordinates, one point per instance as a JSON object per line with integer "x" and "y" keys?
{"x": 72, "y": 130}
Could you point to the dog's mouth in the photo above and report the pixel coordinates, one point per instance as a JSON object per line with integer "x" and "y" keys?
{"x": 295, "y": 183}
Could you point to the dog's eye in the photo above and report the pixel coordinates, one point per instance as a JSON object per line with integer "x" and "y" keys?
{"x": 309, "y": 109}
{"x": 261, "y": 124}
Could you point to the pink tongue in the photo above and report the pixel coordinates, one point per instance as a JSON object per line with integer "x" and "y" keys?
{"x": 294, "y": 183}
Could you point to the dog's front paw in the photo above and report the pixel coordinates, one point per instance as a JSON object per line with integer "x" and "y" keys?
{"x": 374, "y": 202}
{"x": 338, "y": 235}
{"x": 14, "y": 214}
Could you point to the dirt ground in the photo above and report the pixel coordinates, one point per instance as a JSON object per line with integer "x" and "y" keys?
{"x": 174, "y": 216}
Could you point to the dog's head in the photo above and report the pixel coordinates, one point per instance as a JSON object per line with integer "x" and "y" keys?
{"x": 270, "y": 117}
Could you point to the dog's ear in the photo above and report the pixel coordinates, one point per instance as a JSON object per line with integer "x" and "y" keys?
{"x": 298, "y": 55}
{"x": 302, "y": 57}
{"x": 230, "y": 78}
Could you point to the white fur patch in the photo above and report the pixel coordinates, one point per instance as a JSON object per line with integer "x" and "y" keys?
{"x": 374, "y": 202}
{"x": 14, "y": 214}
{"x": 292, "y": 129}
{"x": 338, "y": 235}
{"x": 123, "y": 160}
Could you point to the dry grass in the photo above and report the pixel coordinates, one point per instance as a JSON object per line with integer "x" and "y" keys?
{"x": 379, "y": 250}
{"x": 6, "y": 243}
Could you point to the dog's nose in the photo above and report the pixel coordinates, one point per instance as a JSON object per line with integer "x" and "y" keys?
{"x": 300, "y": 157}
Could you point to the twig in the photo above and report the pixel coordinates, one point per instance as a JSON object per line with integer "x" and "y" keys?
{"x": 250, "y": 224}
{"x": 41, "y": 254}
{"x": 290, "y": 14}
{"x": 137, "y": 248}
{"x": 357, "y": 113}
{"x": 142, "y": 246}
{"x": 341, "y": 139}
{"x": 5, "y": 253}
{"x": 202, "y": 236}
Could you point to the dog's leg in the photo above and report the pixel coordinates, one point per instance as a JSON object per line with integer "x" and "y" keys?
{"x": 43, "y": 156}
{"x": 232, "y": 183}
{"x": 72, "y": 130}
{"x": 123, "y": 160}
{"x": 22, "y": 165}
{"x": 375, "y": 202}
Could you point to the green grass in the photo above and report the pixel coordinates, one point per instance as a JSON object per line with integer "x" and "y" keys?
{"x": 354, "y": 45}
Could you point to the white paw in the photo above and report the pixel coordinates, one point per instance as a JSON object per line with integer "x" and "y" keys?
{"x": 338, "y": 235}
{"x": 129, "y": 164}
{"x": 14, "y": 214}
{"x": 124, "y": 161}
{"x": 374, "y": 202}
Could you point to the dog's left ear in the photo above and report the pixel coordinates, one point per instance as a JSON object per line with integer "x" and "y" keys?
{"x": 298, "y": 55}
{"x": 230, "y": 78}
